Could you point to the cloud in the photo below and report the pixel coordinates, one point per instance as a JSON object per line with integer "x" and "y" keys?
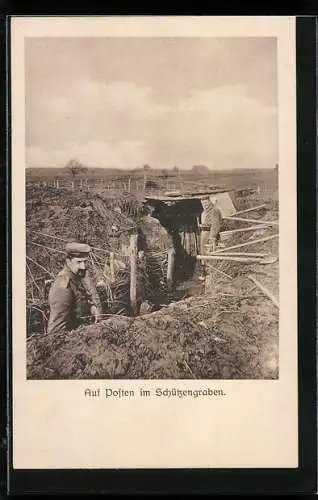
{"x": 122, "y": 123}
{"x": 92, "y": 153}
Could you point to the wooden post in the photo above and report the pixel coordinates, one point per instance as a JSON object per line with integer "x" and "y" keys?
{"x": 170, "y": 270}
{"x": 202, "y": 240}
{"x": 187, "y": 241}
{"x": 112, "y": 266}
{"x": 129, "y": 184}
{"x": 72, "y": 185}
{"x": 133, "y": 272}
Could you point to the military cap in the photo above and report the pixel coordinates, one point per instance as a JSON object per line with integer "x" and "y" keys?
{"x": 77, "y": 249}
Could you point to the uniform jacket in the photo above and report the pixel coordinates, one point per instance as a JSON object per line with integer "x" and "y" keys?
{"x": 69, "y": 298}
{"x": 215, "y": 219}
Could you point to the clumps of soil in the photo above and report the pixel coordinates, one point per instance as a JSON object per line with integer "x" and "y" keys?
{"x": 216, "y": 337}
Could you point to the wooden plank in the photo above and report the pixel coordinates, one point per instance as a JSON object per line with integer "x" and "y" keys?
{"x": 243, "y": 229}
{"x": 170, "y": 270}
{"x": 244, "y": 254}
{"x": 241, "y": 219}
{"x": 133, "y": 272}
{"x": 265, "y": 291}
{"x": 248, "y": 210}
{"x": 229, "y": 258}
{"x": 247, "y": 243}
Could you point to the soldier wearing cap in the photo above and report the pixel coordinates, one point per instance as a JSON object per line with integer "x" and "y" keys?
{"x": 70, "y": 289}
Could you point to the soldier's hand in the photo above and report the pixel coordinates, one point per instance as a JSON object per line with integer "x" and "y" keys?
{"x": 95, "y": 313}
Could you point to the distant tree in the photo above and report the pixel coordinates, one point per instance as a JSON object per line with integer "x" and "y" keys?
{"x": 200, "y": 169}
{"x": 75, "y": 167}
{"x": 175, "y": 170}
{"x": 146, "y": 167}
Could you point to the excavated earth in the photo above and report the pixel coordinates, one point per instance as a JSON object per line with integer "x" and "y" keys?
{"x": 230, "y": 334}
{"x": 227, "y": 329}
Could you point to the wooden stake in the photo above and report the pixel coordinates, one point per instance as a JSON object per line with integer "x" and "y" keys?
{"x": 265, "y": 291}
{"x": 266, "y": 222}
{"x": 112, "y": 266}
{"x": 247, "y": 243}
{"x": 170, "y": 270}
{"x": 248, "y": 210}
{"x": 243, "y": 254}
{"x": 226, "y": 257}
{"x": 243, "y": 230}
{"x": 133, "y": 272}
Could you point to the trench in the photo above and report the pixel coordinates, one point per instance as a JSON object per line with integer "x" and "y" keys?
{"x": 187, "y": 270}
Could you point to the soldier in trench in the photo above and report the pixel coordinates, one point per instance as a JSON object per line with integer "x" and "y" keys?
{"x": 212, "y": 218}
{"x": 72, "y": 292}
{"x": 215, "y": 217}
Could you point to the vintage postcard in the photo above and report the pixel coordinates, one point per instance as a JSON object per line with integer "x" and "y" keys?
{"x": 154, "y": 240}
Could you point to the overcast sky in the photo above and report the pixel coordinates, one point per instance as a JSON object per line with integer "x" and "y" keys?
{"x": 162, "y": 101}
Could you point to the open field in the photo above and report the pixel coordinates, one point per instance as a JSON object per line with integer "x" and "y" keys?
{"x": 137, "y": 180}
{"x": 216, "y": 323}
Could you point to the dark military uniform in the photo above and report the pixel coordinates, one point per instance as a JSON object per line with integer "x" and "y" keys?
{"x": 65, "y": 300}
{"x": 70, "y": 298}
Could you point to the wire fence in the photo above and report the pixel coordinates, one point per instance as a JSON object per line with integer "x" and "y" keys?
{"x": 145, "y": 187}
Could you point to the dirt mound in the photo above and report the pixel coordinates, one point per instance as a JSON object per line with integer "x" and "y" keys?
{"x": 223, "y": 336}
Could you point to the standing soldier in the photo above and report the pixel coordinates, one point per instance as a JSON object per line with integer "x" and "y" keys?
{"x": 71, "y": 290}
{"x": 215, "y": 219}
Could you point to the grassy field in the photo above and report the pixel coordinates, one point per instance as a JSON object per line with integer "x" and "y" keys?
{"x": 266, "y": 180}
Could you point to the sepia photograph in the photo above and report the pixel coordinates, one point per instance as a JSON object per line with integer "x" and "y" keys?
{"x": 152, "y": 207}
{"x": 154, "y": 243}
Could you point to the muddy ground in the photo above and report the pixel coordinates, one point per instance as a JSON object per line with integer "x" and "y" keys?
{"x": 232, "y": 334}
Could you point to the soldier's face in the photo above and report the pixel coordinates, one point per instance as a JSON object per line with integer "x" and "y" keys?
{"x": 78, "y": 265}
